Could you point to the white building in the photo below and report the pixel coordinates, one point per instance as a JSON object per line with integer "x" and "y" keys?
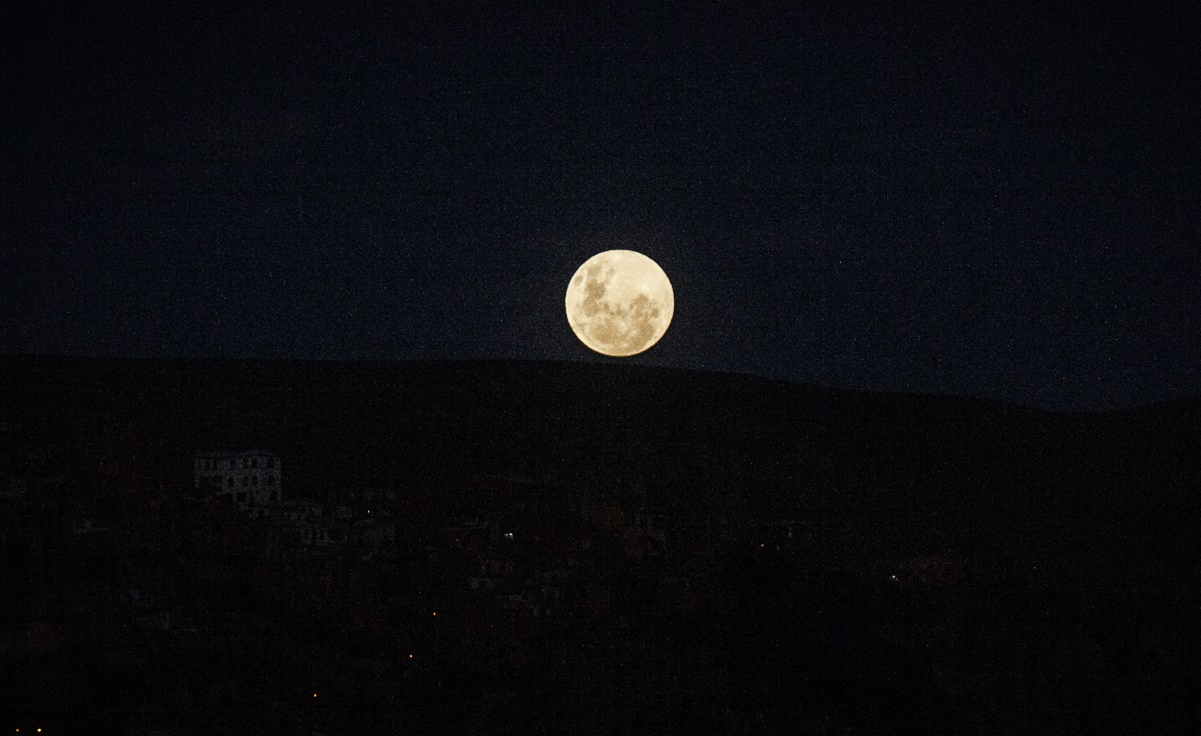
{"x": 250, "y": 476}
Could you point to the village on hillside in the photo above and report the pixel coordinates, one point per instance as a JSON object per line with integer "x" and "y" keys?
{"x": 143, "y": 595}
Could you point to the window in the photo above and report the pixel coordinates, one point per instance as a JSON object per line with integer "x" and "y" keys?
{"x": 245, "y": 463}
{"x": 231, "y": 481}
{"x": 275, "y": 496}
{"x": 270, "y": 463}
{"x": 254, "y": 462}
{"x": 245, "y": 480}
{"x": 254, "y": 480}
{"x": 242, "y": 497}
{"x": 270, "y": 480}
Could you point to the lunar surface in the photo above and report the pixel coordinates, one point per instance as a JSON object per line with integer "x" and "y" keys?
{"x": 619, "y": 302}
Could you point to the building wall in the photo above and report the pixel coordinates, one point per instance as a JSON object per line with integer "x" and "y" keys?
{"x": 251, "y": 477}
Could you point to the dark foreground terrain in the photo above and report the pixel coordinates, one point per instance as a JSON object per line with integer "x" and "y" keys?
{"x": 505, "y": 547}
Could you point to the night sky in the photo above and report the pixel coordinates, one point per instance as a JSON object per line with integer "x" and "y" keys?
{"x": 992, "y": 201}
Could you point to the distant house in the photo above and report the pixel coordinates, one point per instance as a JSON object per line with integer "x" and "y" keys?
{"x": 492, "y": 573}
{"x": 780, "y": 535}
{"x": 11, "y": 488}
{"x": 249, "y": 477}
{"x": 642, "y": 530}
{"x": 930, "y": 571}
{"x": 645, "y": 533}
{"x": 300, "y": 523}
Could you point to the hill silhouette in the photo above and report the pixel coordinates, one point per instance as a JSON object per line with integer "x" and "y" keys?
{"x": 1107, "y": 498}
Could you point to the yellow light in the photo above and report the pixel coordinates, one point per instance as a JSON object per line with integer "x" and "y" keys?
{"x": 435, "y": 613}
{"x": 410, "y": 656}
{"x": 314, "y": 695}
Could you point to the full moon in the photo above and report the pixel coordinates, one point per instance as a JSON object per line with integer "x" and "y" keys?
{"x": 619, "y": 303}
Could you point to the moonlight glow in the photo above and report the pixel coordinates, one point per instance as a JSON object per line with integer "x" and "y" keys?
{"x": 619, "y": 302}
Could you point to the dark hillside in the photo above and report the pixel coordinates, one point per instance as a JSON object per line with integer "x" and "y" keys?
{"x": 1111, "y": 496}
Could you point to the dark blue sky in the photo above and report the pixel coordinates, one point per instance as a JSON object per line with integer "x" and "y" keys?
{"x": 986, "y": 201}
